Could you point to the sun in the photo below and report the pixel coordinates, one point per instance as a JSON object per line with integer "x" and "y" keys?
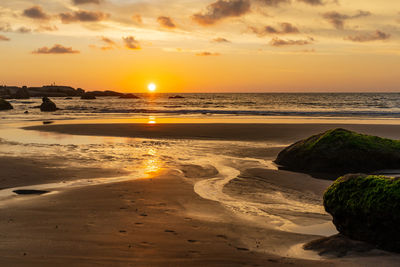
{"x": 151, "y": 87}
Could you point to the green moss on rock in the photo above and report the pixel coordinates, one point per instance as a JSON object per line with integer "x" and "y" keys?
{"x": 366, "y": 208}
{"x": 340, "y": 151}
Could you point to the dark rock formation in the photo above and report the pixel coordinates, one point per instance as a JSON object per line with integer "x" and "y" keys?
{"x": 47, "y": 105}
{"x": 30, "y": 192}
{"x": 5, "y": 105}
{"x": 337, "y": 246}
{"x": 22, "y": 93}
{"x": 366, "y": 208}
{"x": 176, "y": 97}
{"x": 129, "y": 96}
{"x": 88, "y": 96}
{"x": 339, "y": 152}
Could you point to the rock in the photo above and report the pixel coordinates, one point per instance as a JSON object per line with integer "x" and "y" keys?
{"x": 47, "y": 105}
{"x": 129, "y": 96}
{"x": 5, "y": 105}
{"x": 88, "y": 96}
{"x": 337, "y": 246}
{"x": 340, "y": 151}
{"x": 366, "y": 208}
{"x": 68, "y": 98}
{"x": 175, "y": 97}
{"x": 22, "y": 93}
{"x": 26, "y": 112}
{"x": 30, "y": 192}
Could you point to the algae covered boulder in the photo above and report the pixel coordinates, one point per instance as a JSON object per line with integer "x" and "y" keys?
{"x": 366, "y": 208}
{"x": 340, "y": 151}
{"x": 47, "y": 105}
{"x": 5, "y": 105}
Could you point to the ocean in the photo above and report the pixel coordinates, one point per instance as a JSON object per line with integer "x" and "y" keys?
{"x": 206, "y": 105}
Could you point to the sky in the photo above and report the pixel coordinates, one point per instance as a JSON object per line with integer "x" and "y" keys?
{"x": 203, "y": 45}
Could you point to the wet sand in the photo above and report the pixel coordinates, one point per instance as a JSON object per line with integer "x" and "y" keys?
{"x": 172, "y": 217}
{"x": 283, "y": 133}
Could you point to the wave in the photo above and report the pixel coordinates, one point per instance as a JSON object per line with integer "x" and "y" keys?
{"x": 373, "y": 114}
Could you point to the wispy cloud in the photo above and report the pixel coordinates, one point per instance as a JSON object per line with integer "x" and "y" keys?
{"x": 35, "y": 12}
{"x": 284, "y": 28}
{"x": 56, "y": 49}
{"x": 131, "y": 43}
{"x": 4, "y": 38}
{"x": 81, "y": 2}
{"x": 338, "y": 19}
{"x": 83, "y": 16}
{"x": 207, "y": 54}
{"x": 274, "y": 3}
{"x": 222, "y": 9}
{"x": 288, "y": 42}
{"x": 166, "y": 22}
{"x": 220, "y": 40}
{"x": 368, "y": 37}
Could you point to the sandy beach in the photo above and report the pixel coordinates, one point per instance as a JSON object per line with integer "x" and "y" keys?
{"x": 211, "y": 202}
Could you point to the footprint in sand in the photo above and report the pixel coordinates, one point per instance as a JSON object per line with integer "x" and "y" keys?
{"x": 222, "y": 236}
{"x": 192, "y": 241}
{"x": 242, "y": 249}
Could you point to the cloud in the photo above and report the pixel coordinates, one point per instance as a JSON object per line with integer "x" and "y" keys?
{"x": 83, "y": 16}
{"x": 220, "y": 40}
{"x": 47, "y": 28}
{"x": 274, "y": 3}
{"x": 80, "y": 2}
{"x": 108, "y": 41}
{"x": 35, "y": 12}
{"x": 206, "y": 54}
{"x": 222, "y": 9}
{"x": 56, "y": 49}
{"x": 368, "y": 37}
{"x": 131, "y": 43}
{"x": 4, "y": 38}
{"x": 313, "y": 2}
{"x": 6, "y": 28}
{"x": 137, "y": 19}
{"x": 338, "y": 19}
{"x": 23, "y": 30}
{"x": 285, "y": 28}
{"x": 281, "y": 42}
{"x": 166, "y": 22}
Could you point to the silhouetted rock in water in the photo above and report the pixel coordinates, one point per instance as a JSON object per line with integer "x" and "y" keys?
{"x": 176, "y": 97}
{"x": 106, "y": 93}
{"x": 30, "y": 192}
{"x": 22, "y": 93}
{"x": 5, "y": 105}
{"x": 88, "y": 96}
{"x": 26, "y": 112}
{"x": 129, "y": 96}
{"x": 48, "y": 122}
{"x": 337, "y": 246}
{"x": 68, "y": 98}
{"x": 366, "y": 208}
{"x": 340, "y": 151}
{"x": 47, "y": 105}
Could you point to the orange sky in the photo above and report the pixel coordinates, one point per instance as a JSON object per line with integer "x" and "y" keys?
{"x": 202, "y": 46}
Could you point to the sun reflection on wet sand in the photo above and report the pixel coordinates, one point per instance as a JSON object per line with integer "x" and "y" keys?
{"x": 153, "y": 164}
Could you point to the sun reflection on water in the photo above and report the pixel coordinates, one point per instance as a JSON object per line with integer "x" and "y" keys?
{"x": 153, "y": 164}
{"x": 152, "y": 120}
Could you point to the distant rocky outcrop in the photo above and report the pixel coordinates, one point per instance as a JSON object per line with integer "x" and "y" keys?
{"x": 129, "y": 96}
{"x": 340, "y": 151}
{"x": 366, "y": 208}
{"x": 5, "y": 105}
{"x": 88, "y": 96}
{"x": 176, "y": 97}
{"x": 22, "y": 93}
{"x": 47, "y": 105}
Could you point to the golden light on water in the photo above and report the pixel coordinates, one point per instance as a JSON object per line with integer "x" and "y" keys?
{"x": 153, "y": 163}
{"x": 152, "y": 120}
{"x": 152, "y": 87}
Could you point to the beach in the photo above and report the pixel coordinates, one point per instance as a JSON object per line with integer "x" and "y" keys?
{"x": 183, "y": 194}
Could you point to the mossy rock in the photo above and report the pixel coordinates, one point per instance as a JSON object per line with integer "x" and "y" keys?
{"x": 366, "y": 208}
{"x": 5, "y": 105}
{"x": 340, "y": 151}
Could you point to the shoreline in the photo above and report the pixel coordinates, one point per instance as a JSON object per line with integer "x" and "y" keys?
{"x": 214, "y": 131}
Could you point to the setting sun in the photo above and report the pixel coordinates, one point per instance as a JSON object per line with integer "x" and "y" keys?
{"x": 151, "y": 87}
